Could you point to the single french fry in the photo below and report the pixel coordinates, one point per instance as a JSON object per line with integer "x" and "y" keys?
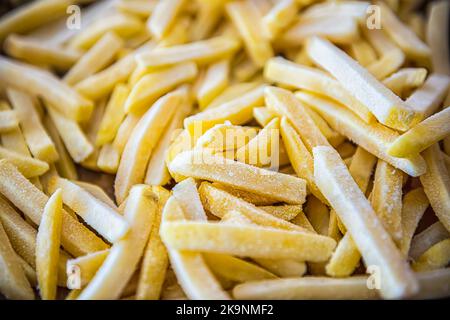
{"x": 47, "y": 246}
{"x": 28, "y": 166}
{"x": 154, "y": 85}
{"x": 141, "y": 8}
{"x": 75, "y": 237}
{"x": 232, "y": 92}
{"x": 303, "y": 77}
{"x": 386, "y": 107}
{"x": 201, "y": 52}
{"x": 344, "y": 9}
{"x": 387, "y": 64}
{"x": 344, "y": 259}
{"x": 286, "y": 212}
{"x": 124, "y": 255}
{"x": 281, "y": 15}
{"x": 8, "y": 121}
{"x": 182, "y": 142}
{"x": 108, "y": 158}
{"x": 318, "y": 215}
{"x": 427, "y": 238}
{"x": 436, "y": 257}
{"x": 436, "y": 184}
{"x": 88, "y": 265}
{"x": 13, "y": 281}
{"x": 361, "y": 167}
{"x": 13, "y": 140}
{"x": 141, "y": 143}
{"x": 163, "y": 17}
{"x": 38, "y": 140}
{"x": 97, "y": 192}
{"x": 285, "y": 268}
{"x": 363, "y": 52}
{"x": 124, "y": 132}
{"x": 438, "y": 40}
{"x": 337, "y": 185}
{"x": 405, "y": 79}
{"x": 333, "y": 137}
{"x": 247, "y": 196}
{"x": 44, "y": 84}
{"x": 373, "y": 137}
{"x": 263, "y": 115}
{"x": 214, "y": 82}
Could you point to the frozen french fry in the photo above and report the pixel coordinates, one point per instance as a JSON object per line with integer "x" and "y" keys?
{"x": 108, "y": 158}
{"x": 214, "y": 82}
{"x": 386, "y": 106}
{"x": 8, "y": 121}
{"x": 343, "y": 9}
{"x": 427, "y": 238}
{"x": 373, "y": 137}
{"x": 436, "y": 257}
{"x": 436, "y": 38}
{"x": 247, "y": 196}
{"x": 141, "y": 143}
{"x": 208, "y": 16}
{"x": 263, "y": 115}
{"x": 124, "y": 255}
{"x": 363, "y": 52}
{"x": 352, "y": 207}
{"x": 47, "y": 246}
{"x": 97, "y": 192}
{"x": 405, "y": 79}
{"x": 285, "y": 268}
{"x": 344, "y": 259}
{"x": 88, "y": 265}
{"x": 436, "y": 184}
{"x": 232, "y": 92}
{"x": 281, "y": 15}
{"x": 163, "y": 17}
{"x": 28, "y": 166}
{"x": 333, "y": 137}
{"x": 318, "y": 215}
{"x": 361, "y": 167}
{"x": 286, "y": 212}
{"x": 387, "y": 64}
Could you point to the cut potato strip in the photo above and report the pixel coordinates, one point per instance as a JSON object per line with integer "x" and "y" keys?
{"x": 97, "y": 192}
{"x": 436, "y": 184}
{"x": 108, "y": 159}
{"x": 281, "y": 15}
{"x": 333, "y": 137}
{"x": 363, "y": 52}
{"x": 427, "y": 238}
{"x": 286, "y": 212}
{"x": 386, "y": 106}
{"x": 438, "y": 39}
{"x": 163, "y": 17}
{"x": 214, "y": 82}
{"x": 405, "y": 79}
{"x": 387, "y": 64}
{"x": 47, "y": 246}
{"x": 361, "y": 167}
{"x": 436, "y": 257}
{"x": 141, "y": 8}
{"x": 318, "y": 215}
{"x": 247, "y": 196}
{"x": 123, "y": 258}
{"x": 75, "y": 237}
{"x": 344, "y": 259}
{"x": 27, "y": 166}
{"x": 373, "y": 137}
{"x": 232, "y": 92}
{"x": 337, "y": 185}
{"x": 188, "y": 199}
{"x": 88, "y": 265}
{"x": 343, "y": 9}
{"x": 14, "y": 139}
{"x": 208, "y": 15}
{"x": 8, "y": 121}
{"x": 263, "y": 115}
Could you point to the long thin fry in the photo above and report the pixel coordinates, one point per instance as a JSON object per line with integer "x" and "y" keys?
{"x": 163, "y": 17}
{"x": 436, "y": 257}
{"x": 405, "y": 79}
{"x": 28, "y": 166}
{"x": 214, "y": 82}
{"x": 438, "y": 40}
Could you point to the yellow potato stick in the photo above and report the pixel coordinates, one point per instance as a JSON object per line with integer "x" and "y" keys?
{"x": 163, "y": 17}
{"x": 285, "y": 104}
{"x": 101, "y": 217}
{"x": 422, "y": 135}
{"x": 281, "y": 15}
{"x": 300, "y": 157}
{"x": 214, "y": 82}
{"x": 386, "y": 106}
{"x": 427, "y": 238}
{"x": 303, "y": 77}
{"x": 374, "y": 137}
{"x": 437, "y": 40}
{"x": 209, "y": 14}
{"x": 88, "y": 265}
{"x": 345, "y": 258}
{"x": 415, "y": 203}
{"x": 238, "y": 111}
{"x": 428, "y": 98}
{"x": 263, "y": 115}
{"x": 108, "y": 159}
{"x": 286, "y": 212}
{"x": 389, "y": 63}
{"x": 75, "y": 237}
{"x": 285, "y": 268}
{"x": 125, "y": 254}
{"x": 183, "y": 141}
{"x": 8, "y": 121}
{"x": 154, "y": 85}
{"x": 436, "y": 257}
{"x": 97, "y": 192}
{"x": 236, "y": 269}
{"x": 352, "y": 207}
{"x": 38, "y": 141}
{"x": 241, "y": 240}
{"x": 361, "y": 167}
{"x": 232, "y": 92}
{"x": 204, "y": 165}
{"x": 44, "y": 84}
{"x": 64, "y": 164}
{"x": 251, "y": 197}
{"x": 124, "y": 132}
{"x": 201, "y": 52}
{"x": 47, "y": 246}
{"x": 405, "y": 79}
{"x": 333, "y": 137}
{"x": 95, "y": 59}
{"x": 386, "y": 198}
{"x": 248, "y": 22}
{"x": 33, "y": 15}
{"x": 404, "y": 37}
{"x": 29, "y": 167}
{"x": 14, "y": 139}
{"x": 188, "y": 199}
{"x": 344, "y": 9}
{"x": 436, "y": 184}
{"x": 363, "y": 52}
{"x": 141, "y": 8}
{"x": 13, "y": 281}
{"x": 141, "y": 143}
{"x": 318, "y": 215}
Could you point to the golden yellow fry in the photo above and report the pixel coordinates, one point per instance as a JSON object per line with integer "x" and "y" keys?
{"x": 427, "y": 238}
{"x": 28, "y": 166}
{"x": 232, "y": 92}
{"x": 163, "y": 17}
{"x": 436, "y": 184}
{"x": 344, "y": 259}
{"x": 281, "y": 15}
{"x": 386, "y": 107}
{"x": 285, "y": 268}
{"x": 75, "y": 237}
{"x": 387, "y": 64}
{"x": 8, "y": 121}
{"x": 47, "y": 246}
{"x": 437, "y": 37}
{"x": 436, "y": 257}
{"x": 318, "y": 215}
{"x": 263, "y": 115}
{"x": 251, "y": 197}
{"x": 124, "y": 255}
{"x": 361, "y": 167}
{"x": 337, "y": 185}
{"x": 138, "y": 7}
{"x": 208, "y": 15}
{"x": 97, "y": 192}
{"x": 363, "y": 52}
{"x": 374, "y": 137}
{"x": 333, "y": 137}
{"x": 214, "y": 82}
{"x": 141, "y": 143}
{"x": 405, "y": 79}
{"x": 342, "y": 9}
{"x": 108, "y": 159}
{"x": 286, "y": 212}
{"x": 88, "y": 265}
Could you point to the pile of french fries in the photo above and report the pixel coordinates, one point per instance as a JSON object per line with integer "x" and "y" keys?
{"x": 259, "y": 149}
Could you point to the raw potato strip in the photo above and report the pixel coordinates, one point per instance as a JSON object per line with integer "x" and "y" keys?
{"x": 44, "y": 84}
{"x": 428, "y": 98}
{"x": 437, "y": 36}
{"x": 95, "y": 59}
{"x": 108, "y": 159}
{"x": 232, "y": 92}
{"x": 97, "y": 192}
{"x": 333, "y": 137}
{"x": 415, "y": 203}
{"x": 263, "y": 115}
{"x": 154, "y": 85}
{"x": 101, "y": 217}
{"x": 247, "y": 196}
{"x": 141, "y": 143}
{"x": 374, "y": 243}
{"x": 303, "y": 77}
{"x": 88, "y": 265}
{"x": 422, "y": 136}
{"x": 344, "y": 9}
{"x": 386, "y": 198}
{"x": 238, "y": 111}
{"x": 374, "y": 137}
{"x": 405, "y": 79}
{"x": 204, "y": 165}
{"x": 38, "y": 140}
{"x": 123, "y": 258}
{"x": 436, "y": 184}
{"x": 201, "y": 52}
{"x": 13, "y": 281}
{"x": 28, "y": 166}
{"x": 47, "y": 246}
{"x": 248, "y": 21}
{"x": 75, "y": 237}
{"x": 163, "y": 17}
{"x": 361, "y": 167}
{"x": 436, "y": 257}
{"x": 389, "y": 63}
{"x": 405, "y": 38}
{"x": 8, "y": 121}
{"x": 386, "y": 106}
{"x": 284, "y": 103}
{"x": 214, "y": 82}
{"x": 363, "y": 52}
{"x": 301, "y": 159}
{"x": 286, "y": 212}
{"x": 281, "y": 15}
{"x": 427, "y": 238}
{"x": 138, "y": 7}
